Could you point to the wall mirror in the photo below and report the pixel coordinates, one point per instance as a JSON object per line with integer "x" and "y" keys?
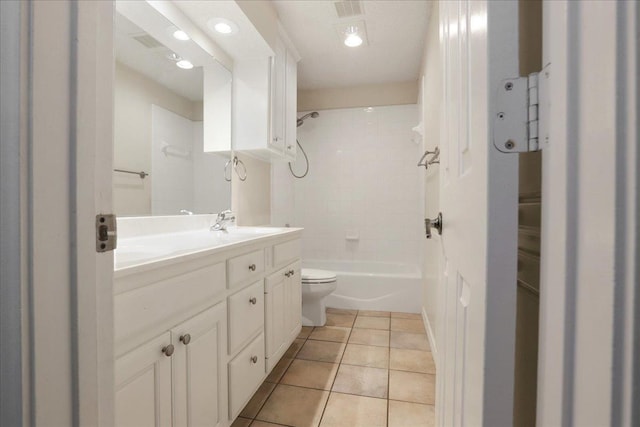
{"x": 172, "y": 119}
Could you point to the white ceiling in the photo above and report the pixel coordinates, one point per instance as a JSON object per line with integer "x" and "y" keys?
{"x": 154, "y": 63}
{"x": 246, "y": 43}
{"x": 396, "y": 33}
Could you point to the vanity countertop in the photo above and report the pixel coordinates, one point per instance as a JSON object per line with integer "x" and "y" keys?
{"x": 143, "y": 252}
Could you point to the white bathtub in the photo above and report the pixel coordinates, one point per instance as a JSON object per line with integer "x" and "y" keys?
{"x": 365, "y": 285}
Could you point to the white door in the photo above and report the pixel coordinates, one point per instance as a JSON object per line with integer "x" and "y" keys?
{"x": 199, "y": 369}
{"x": 589, "y": 302}
{"x": 479, "y": 44}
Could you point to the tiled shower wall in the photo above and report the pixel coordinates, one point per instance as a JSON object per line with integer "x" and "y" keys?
{"x": 363, "y": 197}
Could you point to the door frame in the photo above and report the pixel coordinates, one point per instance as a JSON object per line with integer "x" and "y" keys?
{"x": 62, "y": 154}
{"x": 589, "y": 367}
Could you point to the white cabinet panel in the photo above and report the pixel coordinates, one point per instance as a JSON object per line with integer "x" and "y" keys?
{"x": 199, "y": 369}
{"x": 290, "y": 106}
{"x": 265, "y": 93}
{"x": 246, "y": 372}
{"x": 286, "y": 252}
{"x": 293, "y": 301}
{"x": 157, "y": 307}
{"x": 283, "y": 311}
{"x": 275, "y": 317}
{"x": 246, "y": 315}
{"x": 246, "y": 266}
{"x": 143, "y": 386}
{"x": 278, "y": 77}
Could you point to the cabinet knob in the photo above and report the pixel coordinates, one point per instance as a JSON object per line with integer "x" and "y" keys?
{"x": 252, "y": 267}
{"x": 254, "y": 359}
{"x": 168, "y": 350}
{"x": 185, "y": 339}
{"x": 292, "y": 272}
{"x": 289, "y": 147}
{"x": 253, "y": 300}
{"x": 288, "y": 273}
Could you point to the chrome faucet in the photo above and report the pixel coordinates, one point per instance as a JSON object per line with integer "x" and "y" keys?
{"x": 223, "y": 219}
{"x": 185, "y": 212}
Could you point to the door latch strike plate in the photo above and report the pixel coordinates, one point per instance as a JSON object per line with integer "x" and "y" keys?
{"x": 106, "y": 232}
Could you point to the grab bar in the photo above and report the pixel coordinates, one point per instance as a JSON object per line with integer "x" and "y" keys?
{"x": 141, "y": 174}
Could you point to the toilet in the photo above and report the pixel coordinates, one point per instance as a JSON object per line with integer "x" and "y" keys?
{"x": 316, "y": 286}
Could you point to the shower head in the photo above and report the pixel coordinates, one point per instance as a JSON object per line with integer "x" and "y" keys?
{"x": 301, "y": 120}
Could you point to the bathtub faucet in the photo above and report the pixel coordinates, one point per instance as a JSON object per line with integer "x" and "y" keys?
{"x": 223, "y": 219}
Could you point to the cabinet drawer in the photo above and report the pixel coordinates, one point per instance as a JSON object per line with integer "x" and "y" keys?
{"x": 246, "y": 315}
{"x": 245, "y": 266}
{"x": 285, "y": 252}
{"x": 246, "y": 373}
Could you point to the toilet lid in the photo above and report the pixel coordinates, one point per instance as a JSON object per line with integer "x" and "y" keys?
{"x": 311, "y": 275}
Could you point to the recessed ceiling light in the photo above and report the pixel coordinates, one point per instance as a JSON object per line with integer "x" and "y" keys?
{"x": 353, "y": 34}
{"x": 222, "y": 26}
{"x": 184, "y": 64}
{"x": 181, "y": 35}
{"x": 353, "y": 40}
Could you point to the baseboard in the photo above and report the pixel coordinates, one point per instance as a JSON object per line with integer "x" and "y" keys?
{"x": 430, "y": 336}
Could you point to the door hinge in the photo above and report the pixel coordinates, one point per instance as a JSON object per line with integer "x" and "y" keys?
{"x": 106, "y": 232}
{"x": 522, "y": 111}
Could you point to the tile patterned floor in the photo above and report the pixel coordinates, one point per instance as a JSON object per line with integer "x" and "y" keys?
{"x": 365, "y": 368}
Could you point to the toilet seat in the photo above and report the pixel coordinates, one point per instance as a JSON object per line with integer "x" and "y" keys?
{"x": 311, "y": 276}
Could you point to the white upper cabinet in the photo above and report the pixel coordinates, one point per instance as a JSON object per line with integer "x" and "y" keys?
{"x": 265, "y": 103}
{"x": 278, "y": 84}
{"x": 291, "y": 105}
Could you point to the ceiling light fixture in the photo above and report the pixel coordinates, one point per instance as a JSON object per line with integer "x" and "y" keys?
{"x": 352, "y": 38}
{"x": 222, "y": 26}
{"x": 184, "y": 64}
{"x": 181, "y": 35}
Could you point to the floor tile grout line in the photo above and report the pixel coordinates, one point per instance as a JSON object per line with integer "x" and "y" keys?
{"x": 337, "y": 371}
{"x": 276, "y": 384}
{"x": 341, "y": 362}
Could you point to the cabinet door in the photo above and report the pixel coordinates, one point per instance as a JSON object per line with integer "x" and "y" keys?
{"x": 143, "y": 385}
{"x": 293, "y": 301}
{"x": 275, "y": 308}
{"x": 199, "y": 374}
{"x": 291, "y": 106}
{"x": 277, "y": 97}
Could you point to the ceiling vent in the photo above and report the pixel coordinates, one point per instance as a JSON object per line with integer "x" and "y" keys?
{"x": 147, "y": 41}
{"x": 348, "y": 8}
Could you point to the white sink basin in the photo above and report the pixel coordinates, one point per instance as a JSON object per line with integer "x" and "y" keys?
{"x": 152, "y": 248}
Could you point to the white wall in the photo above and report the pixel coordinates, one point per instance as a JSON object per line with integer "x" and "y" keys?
{"x": 251, "y": 198}
{"x": 133, "y": 96}
{"x": 184, "y": 176}
{"x": 363, "y": 182}
{"x": 431, "y": 98}
{"x": 371, "y": 95}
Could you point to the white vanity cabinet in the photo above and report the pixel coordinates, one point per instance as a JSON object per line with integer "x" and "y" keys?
{"x": 199, "y": 362}
{"x": 196, "y": 335}
{"x": 177, "y": 378}
{"x": 283, "y": 316}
